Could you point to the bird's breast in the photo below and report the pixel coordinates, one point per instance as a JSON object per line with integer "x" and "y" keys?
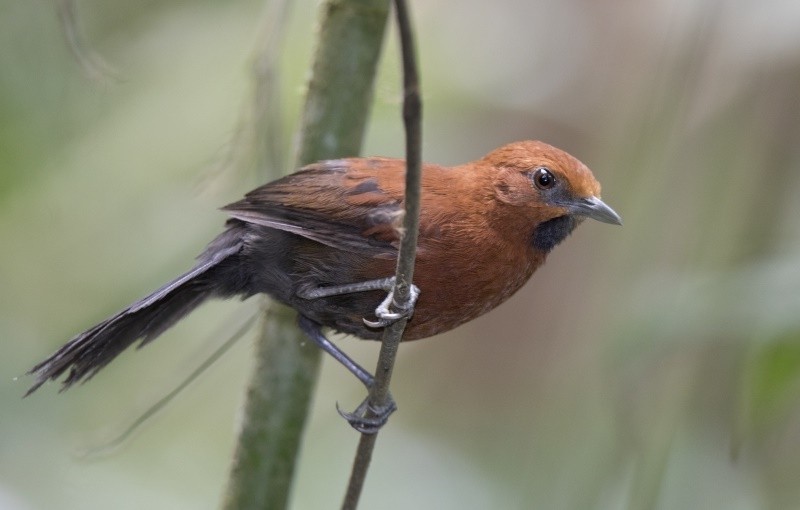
{"x": 464, "y": 281}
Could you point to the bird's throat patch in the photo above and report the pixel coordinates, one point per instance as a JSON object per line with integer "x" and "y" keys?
{"x": 548, "y": 234}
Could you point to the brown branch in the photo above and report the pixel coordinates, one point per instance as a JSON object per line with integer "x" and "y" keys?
{"x": 412, "y": 119}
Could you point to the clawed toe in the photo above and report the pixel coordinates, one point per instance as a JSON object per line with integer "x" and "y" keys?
{"x": 387, "y": 317}
{"x": 368, "y": 419}
{"x": 384, "y": 320}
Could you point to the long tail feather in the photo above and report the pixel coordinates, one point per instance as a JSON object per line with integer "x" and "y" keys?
{"x": 216, "y": 275}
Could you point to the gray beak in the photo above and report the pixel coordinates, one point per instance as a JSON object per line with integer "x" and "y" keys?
{"x": 593, "y": 207}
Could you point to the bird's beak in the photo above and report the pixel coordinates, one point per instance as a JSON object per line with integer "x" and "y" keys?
{"x": 593, "y": 207}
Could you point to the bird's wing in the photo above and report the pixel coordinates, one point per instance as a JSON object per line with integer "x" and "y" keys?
{"x": 339, "y": 203}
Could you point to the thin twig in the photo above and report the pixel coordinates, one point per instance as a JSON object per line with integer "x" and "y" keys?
{"x": 117, "y": 441}
{"x": 95, "y": 68}
{"x": 412, "y": 119}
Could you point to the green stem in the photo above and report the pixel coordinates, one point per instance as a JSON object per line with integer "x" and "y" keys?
{"x": 336, "y": 111}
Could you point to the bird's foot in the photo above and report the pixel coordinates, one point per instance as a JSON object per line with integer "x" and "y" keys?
{"x": 367, "y": 418}
{"x": 385, "y": 316}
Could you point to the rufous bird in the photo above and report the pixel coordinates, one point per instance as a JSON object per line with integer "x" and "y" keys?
{"x": 324, "y": 241}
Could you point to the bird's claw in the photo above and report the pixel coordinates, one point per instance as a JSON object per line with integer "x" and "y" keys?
{"x": 367, "y": 418}
{"x": 387, "y": 317}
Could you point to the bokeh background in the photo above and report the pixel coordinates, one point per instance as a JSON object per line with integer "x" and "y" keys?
{"x": 651, "y": 366}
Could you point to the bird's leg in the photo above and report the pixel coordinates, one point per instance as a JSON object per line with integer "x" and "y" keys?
{"x": 358, "y": 419}
{"x": 366, "y": 418}
{"x": 385, "y": 317}
{"x": 347, "y": 288}
{"x": 313, "y": 331}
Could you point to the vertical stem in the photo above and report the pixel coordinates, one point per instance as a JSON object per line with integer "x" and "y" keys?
{"x": 277, "y": 403}
{"x": 336, "y": 110}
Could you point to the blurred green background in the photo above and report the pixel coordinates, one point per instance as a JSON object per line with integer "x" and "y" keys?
{"x": 651, "y": 366}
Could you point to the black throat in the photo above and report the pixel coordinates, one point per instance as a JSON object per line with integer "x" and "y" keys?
{"x": 548, "y": 234}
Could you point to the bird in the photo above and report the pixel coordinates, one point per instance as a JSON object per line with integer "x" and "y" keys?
{"x": 324, "y": 241}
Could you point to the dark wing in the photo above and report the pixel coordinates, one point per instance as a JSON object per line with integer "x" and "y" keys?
{"x": 339, "y": 203}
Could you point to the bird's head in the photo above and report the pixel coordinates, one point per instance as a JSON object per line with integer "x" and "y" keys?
{"x": 549, "y": 189}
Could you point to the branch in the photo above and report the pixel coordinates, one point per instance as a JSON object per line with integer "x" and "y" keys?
{"x": 93, "y": 65}
{"x": 412, "y": 119}
{"x": 336, "y": 110}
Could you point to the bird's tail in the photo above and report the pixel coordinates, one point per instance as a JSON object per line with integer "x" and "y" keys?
{"x": 217, "y": 274}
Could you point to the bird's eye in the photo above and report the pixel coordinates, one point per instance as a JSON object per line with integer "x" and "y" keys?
{"x": 543, "y": 178}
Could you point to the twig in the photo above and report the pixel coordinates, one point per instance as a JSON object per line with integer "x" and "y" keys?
{"x": 412, "y": 119}
{"x": 94, "y": 67}
{"x": 117, "y": 441}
